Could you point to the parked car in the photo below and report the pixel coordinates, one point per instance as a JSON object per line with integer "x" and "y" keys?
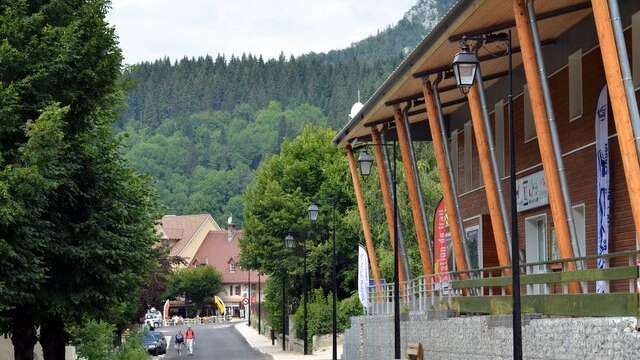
{"x": 153, "y": 318}
{"x": 155, "y": 342}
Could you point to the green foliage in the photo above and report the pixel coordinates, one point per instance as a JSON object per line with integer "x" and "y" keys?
{"x": 319, "y": 315}
{"x": 347, "y": 308}
{"x": 76, "y": 222}
{"x": 205, "y": 161}
{"x": 132, "y": 349}
{"x": 197, "y": 285}
{"x": 273, "y": 302}
{"x": 94, "y": 341}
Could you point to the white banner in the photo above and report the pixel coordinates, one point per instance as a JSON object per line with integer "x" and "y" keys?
{"x": 363, "y": 277}
{"x": 602, "y": 184}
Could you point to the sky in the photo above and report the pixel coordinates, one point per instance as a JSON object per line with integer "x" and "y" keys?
{"x": 152, "y": 29}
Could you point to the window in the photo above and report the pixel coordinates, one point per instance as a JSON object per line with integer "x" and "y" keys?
{"x": 529, "y": 125}
{"x": 453, "y": 151}
{"x": 579, "y": 222}
{"x": 238, "y": 290}
{"x": 575, "y": 85}
{"x": 468, "y": 142}
{"x": 635, "y": 48}
{"x": 498, "y": 116}
{"x": 474, "y": 246}
{"x": 232, "y": 267}
{"x": 230, "y": 290}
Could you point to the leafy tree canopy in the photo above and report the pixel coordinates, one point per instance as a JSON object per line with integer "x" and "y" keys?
{"x": 198, "y": 285}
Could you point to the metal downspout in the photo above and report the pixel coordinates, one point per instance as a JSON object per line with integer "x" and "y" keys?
{"x": 494, "y": 163}
{"x": 554, "y": 133}
{"x": 616, "y": 23}
{"x": 405, "y": 120}
{"x": 454, "y": 183}
{"x": 403, "y": 252}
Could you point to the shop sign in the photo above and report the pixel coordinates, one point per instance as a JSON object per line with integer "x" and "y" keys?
{"x": 531, "y": 191}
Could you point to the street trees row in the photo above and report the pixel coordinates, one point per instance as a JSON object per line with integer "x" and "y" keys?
{"x": 276, "y": 202}
{"x": 76, "y": 222}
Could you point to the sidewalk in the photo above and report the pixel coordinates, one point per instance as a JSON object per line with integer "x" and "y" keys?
{"x": 263, "y": 344}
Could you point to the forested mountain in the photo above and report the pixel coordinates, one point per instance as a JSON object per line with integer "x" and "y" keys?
{"x": 200, "y": 126}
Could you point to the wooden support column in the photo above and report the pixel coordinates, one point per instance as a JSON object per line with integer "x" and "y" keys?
{"x": 488, "y": 175}
{"x": 412, "y": 187}
{"x": 620, "y": 107}
{"x": 549, "y": 162}
{"x": 387, "y": 199}
{"x": 448, "y": 191}
{"x": 362, "y": 210}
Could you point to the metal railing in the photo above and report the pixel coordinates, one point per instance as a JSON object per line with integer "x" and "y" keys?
{"x": 487, "y": 290}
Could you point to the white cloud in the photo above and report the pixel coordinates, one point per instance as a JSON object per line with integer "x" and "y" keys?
{"x": 151, "y": 29}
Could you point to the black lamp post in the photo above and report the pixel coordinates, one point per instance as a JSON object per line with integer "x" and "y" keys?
{"x": 288, "y": 243}
{"x": 365, "y": 161}
{"x": 259, "y": 309}
{"x": 313, "y": 216}
{"x": 465, "y": 65}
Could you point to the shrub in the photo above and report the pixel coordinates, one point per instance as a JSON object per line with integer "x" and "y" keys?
{"x": 319, "y": 314}
{"x": 94, "y": 340}
{"x": 347, "y": 308}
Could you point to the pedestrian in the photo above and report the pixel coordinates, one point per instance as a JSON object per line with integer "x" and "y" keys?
{"x": 190, "y": 336}
{"x": 179, "y": 341}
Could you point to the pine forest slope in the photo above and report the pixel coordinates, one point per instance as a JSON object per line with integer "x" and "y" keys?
{"x": 200, "y": 126}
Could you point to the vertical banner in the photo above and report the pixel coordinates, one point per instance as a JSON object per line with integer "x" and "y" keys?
{"x": 441, "y": 262}
{"x": 165, "y": 310}
{"x": 363, "y": 277}
{"x": 602, "y": 184}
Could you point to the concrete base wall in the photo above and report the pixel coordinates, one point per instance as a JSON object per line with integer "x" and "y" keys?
{"x": 6, "y": 351}
{"x": 490, "y": 337}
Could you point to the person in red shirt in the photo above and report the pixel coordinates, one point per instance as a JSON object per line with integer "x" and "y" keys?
{"x": 190, "y": 336}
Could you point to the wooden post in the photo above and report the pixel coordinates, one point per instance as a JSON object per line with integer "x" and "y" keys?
{"x": 549, "y": 162}
{"x": 385, "y": 188}
{"x": 620, "y": 107}
{"x": 412, "y": 188}
{"x": 448, "y": 191}
{"x": 362, "y": 210}
{"x": 488, "y": 175}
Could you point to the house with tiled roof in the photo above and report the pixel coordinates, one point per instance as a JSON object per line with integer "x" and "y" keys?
{"x": 221, "y": 249}
{"x": 200, "y": 241}
{"x": 184, "y": 234}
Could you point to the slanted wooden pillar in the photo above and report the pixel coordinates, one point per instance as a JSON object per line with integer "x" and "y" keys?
{"x": 620, "y": 107}
{"x": 362, "y": 210}
{"x": 543, "y": 131}
{"x": 489, "y": 171}
{"x": 449, "y": 192}
{"x": 412, "y": 187}
{"x": 387, "y": 198}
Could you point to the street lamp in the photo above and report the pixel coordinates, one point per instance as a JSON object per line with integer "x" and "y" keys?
{"x": 365, "y": 160}
{"x": 313, "y": 211}
{"x": 313, "y": 216}
{"x": 465, "y": 65}
{"x": 291, "y": 243}
{"x": 288, "y": 243}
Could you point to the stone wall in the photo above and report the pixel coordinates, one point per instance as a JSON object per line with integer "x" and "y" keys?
{"x": 490, "y": 337}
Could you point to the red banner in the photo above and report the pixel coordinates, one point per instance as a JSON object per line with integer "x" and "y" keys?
{"x": 440, "y": 244}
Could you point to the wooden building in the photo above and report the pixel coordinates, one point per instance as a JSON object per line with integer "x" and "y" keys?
{"x": 560, "y": 46}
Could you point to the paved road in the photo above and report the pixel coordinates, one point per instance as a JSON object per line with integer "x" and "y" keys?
{"x": 214, "y": 342}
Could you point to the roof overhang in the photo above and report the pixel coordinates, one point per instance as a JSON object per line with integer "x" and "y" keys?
{"x": 434, "y": 54}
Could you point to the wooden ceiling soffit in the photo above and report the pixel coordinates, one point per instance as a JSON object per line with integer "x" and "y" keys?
{"x": 511, "y": 23}
{"x": 441, "y": 89}
{"x": 449, "y": 73}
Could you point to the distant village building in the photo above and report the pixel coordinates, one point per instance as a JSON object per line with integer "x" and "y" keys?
{"x": 200, "y": 241}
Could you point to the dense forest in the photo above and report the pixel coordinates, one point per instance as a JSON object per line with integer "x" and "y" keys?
{"x": 201, "y": 126}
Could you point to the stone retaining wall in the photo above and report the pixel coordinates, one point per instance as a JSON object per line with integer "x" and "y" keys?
{"x": 490, "y": 337}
